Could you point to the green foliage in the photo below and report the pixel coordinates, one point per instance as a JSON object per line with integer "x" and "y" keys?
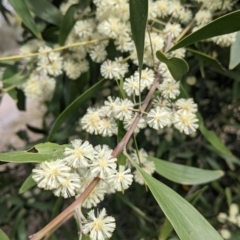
{"x": 23, "y": 12}
{"x": 138, "y": 20}
{"x": 28, "y": 183}
{"x": 207, "y": 59}
{"x": 234, "y": 53}
{"x": 74, "y": 106}
{"x": 178, "y": 67}
{"x": 46, "y": 11}
{"x": 185, "y": 174}
{"x": 3, "y": 236}
{"x": 226, "y": 24}
{"x": 69, "y": 20}
{"x": 39, "y": 153}
{"x": 186, "y": 220}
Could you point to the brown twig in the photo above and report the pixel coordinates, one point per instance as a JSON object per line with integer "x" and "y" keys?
{"x": 68, "y": 212}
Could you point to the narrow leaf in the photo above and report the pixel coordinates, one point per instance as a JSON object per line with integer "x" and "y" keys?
{"x": 23, "y": 12}
{"x": 28, "y": 183}
{"x": 207, "y": 59}
{"x": 235, "y": 52}
{"x": 138, "y": 21}
{"x": 178, "y": 67}
{"x": 3, "y": 235}
{"x": 226, "y": 24}
{"x": 15, "y": 79}
{"x": 188, "y": 223}
{"x": 39, "y": 153}
{"x": 45, "y": 10}
{"x": 216, "y": 142}
{"x": 24, "y": 157}
{"x": 184, "y": 174}
{"x": 75, "y": 105}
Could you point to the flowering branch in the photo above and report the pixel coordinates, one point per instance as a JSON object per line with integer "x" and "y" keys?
{"x": 68, "y": 212}
{"x": 57, "y": 49}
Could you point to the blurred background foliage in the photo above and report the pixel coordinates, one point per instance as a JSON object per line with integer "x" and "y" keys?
{"x": 137, "y": 214}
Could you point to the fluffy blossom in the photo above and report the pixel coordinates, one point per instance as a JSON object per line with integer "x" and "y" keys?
{"x": 159, "y": 117}
{"x": 79, "y": 155}
{"x": 100, "y": 227}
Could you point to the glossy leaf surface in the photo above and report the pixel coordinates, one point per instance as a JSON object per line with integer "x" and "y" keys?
{"x": 177, "y": 66}
{"x": 226, "y": 24}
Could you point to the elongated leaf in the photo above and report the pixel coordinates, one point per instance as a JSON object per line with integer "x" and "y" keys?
{"x": 28, "y": 183}
{"x": 188, "y": 223}
{"x": 15, "y": 80}
{"x": 207, "y": 59}
{"x": 235, "y": 52}
{"x": 217, "y": 143}
{"x": 167, "y": 228}
{"x": 75, "y": 105}
{"x": 24, "y": 157}
{"x": 138, "y": 20}
{"x": 45, "y": 10}
{"x": 226, "y": 24}
{"x": 69, "y": 20}
{"x": 178, "y": 67}
{"x": 184, "y": 174}
{"x": 23, "y": 12}
{"x": 3, "y": 235}
{"x": 39, "y": 153}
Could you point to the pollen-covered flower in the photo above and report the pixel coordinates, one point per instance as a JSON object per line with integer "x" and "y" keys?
{"x": 185, "y": 122}
{"x": 131, "y": 86}
{"x": 162, "y": 103}
{"x": 91, "y": 120}
{"x": 110, "y": 69}
{"x": 159, "y": 117}
{"x": 98, "y": 53}
{"x": 147, "y": 78}
{"x": 203, "y": 17}
{"x": 110, "y": 106}
{"x": 107, "y": 127}
{"x": 122, "y": 179}
{"x": 162, "y": 7}
{"x": 187, "y": 105}
{"x": 169, "y": 88}
{"x": 112, "y": 27}
{"x": 83, "y": 28}
{"x": 103, "y": 163}
{"x": 225, "y": 40}
{"x": 172, "y": 29}
{"x": 100, "y": 227}
{"x": 50, "y": 175}
{"x": 124, "y": 109}
{"x": 79, "y": 155}
{"x": 72, "y": 69}
{"x": 68, "y": 187}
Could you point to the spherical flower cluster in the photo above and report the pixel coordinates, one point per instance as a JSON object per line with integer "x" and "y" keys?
{"x": 71, "y": 175}
{"x": 233, "y": 217}
{"x": 100, "y": 227}
{"x": 225, "y": 40}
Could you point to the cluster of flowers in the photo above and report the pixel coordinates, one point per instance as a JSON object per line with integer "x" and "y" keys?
{"x": 111, "y": 21}
{"x": 164, "y": 112}
{"x": 233, "y": 218}
{"x": 82, "y": 163}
